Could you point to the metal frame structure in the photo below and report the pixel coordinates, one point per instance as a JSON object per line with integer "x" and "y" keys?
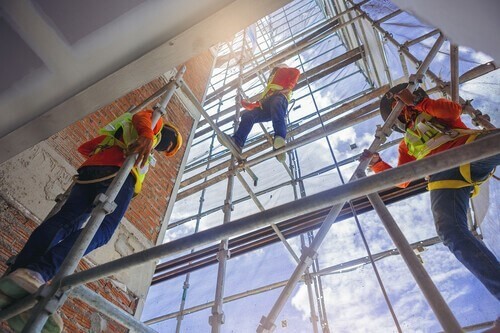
{"x": 350, "y": 24}
{"x": 347, "y": 23}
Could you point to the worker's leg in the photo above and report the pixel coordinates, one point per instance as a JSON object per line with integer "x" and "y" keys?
{"x": 50, "y": 262}
{"x": 449, "y": 207}
{"x": 70, "y": 218}
{"x": 248, "y": 119}
{"x": 482, "y": 168}
{"x": 277, "y": 105}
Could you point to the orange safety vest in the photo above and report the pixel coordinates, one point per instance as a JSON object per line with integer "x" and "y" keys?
{"x": 282, "y": 81}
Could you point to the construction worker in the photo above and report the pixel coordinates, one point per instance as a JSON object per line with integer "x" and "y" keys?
{"x": 429, "y": 127}
{"x": 48, "y": 245}
{"x": 272, "y": 106}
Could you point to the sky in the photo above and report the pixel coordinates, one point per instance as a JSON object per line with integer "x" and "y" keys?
{"x": 354, "y": 301}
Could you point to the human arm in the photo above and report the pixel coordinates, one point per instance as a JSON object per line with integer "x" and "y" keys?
{"x": 142, "y": 122}
{"x": 441, "y": 108}
{"x": 377, "y": 165}
{"x": 87, "y": 149}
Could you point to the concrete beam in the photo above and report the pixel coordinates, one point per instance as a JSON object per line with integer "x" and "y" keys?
{"x": 217, "y": 27}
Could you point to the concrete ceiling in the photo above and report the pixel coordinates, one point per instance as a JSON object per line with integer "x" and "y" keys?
{"x": 67, "y": 58}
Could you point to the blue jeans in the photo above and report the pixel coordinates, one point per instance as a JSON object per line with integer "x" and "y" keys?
{"x": 273, "y": 109}
{"x": 51, "y": 241}
{"x": 449, "y": 207}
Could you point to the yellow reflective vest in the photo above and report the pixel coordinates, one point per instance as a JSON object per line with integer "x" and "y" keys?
{"x": 428, "y": 134}
{"x": 129, "y": 135}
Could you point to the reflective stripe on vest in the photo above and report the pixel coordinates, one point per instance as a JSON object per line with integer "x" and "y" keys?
{"x": 428, "y": 134}
{"x": 455, "y": 183}
{"x": 129, "y": 135}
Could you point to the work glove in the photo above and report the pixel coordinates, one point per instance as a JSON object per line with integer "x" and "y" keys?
{"x": 142, "y": 146}
{"x": 249, "y": 105}
{"x": 374, "y": 157}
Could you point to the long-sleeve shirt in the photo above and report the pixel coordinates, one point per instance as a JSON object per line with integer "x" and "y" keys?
{"x": 448, "y": 113}
{"x": 115, "y": 156}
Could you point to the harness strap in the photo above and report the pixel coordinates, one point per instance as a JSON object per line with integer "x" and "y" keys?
{"x": 93, "y": 181}
{"x": 465, "y": 172}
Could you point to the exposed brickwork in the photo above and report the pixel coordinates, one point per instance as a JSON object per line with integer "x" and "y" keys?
{"x": 146, "y": 211}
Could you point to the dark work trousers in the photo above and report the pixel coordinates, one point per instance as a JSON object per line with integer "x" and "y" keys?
{"x": 51, "y": 241}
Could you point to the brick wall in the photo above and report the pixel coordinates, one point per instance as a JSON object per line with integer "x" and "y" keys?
{"x": 146, "y": 211}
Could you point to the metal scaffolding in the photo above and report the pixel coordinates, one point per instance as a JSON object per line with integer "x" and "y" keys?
{"x": 353, "y": 43}
{"x": 349, "y": 24}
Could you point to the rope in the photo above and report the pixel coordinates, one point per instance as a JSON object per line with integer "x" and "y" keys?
{"x": 93, "y": 181}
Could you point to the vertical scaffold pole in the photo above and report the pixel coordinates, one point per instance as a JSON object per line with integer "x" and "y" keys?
{"x": 438, "y": 305}
{"x": 52, "y": 297}
{"x": 455, "y": 96}
{"x": 217, "y": 318}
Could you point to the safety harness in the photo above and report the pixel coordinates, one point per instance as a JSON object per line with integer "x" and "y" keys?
{"x": 282, "y": 81}
{"x": 428, "y": 134}
{"x": 121, "y": 132}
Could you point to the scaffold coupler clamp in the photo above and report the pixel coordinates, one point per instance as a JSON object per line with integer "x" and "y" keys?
{"x": 382, "y": 133}
{"x": 308, "y": 255}
{"x": 217, "y": 316}
{"x": 265, "y": 326}
{"x": 160, "y": 109}
{"x": 228, "y": 206}
{"x": 416, "y": 79}
{"x": 224, "y": 252}
{"x": 178, "y": 83}
{"x": 308, "y": 279}
{"x": 55, "y": 299}
{"x": 102, "y": 200}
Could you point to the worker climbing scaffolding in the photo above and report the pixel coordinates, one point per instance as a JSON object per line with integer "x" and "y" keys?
{"x": 48, "y": 245}
{"x": 272, "y": 106}
{"x": 432, "y": 126}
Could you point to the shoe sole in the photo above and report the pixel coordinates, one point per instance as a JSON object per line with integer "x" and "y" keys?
{"x": 5, "y": 300}
{"x": 279, "y": 142}
{"x": 281, "y": 157}
{"x": 53, "y": 325}
{"x": 15, "y": 290}
{"x": 10, "y": 291}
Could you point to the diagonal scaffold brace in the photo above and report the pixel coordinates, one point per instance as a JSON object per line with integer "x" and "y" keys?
{"x": 50, "y": 297}
{"x": 431, "y": 293}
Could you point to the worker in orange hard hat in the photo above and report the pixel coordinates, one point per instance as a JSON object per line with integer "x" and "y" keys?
{"x": 48, "y": 245}
{"x": 432, "y": 126}
{"x": 272, "y": 106}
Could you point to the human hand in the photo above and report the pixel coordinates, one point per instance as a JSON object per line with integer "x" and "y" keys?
{"x": 142, "y": 146}
{"x": 249, "y": 105}
{"x": 405, "y": 96}
{"x": 368, "y": 155}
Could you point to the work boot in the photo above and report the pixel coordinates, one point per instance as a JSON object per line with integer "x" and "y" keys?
{"x": 4, "y": 300}
{"x": 21, "y": 283}
{"x": 278, "y": 143}
{"x": 231, "y": 141}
